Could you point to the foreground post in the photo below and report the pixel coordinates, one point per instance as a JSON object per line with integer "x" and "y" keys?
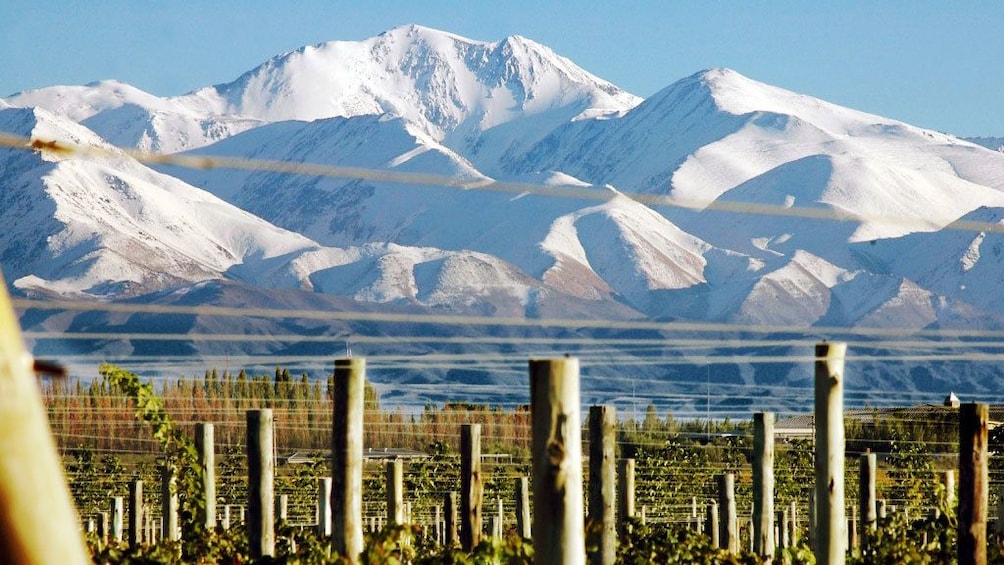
{"x": 812, "y": 520}
{"x": 395, "y": 492}
{"x": 135, "y": 513}
{"x": 866, "y": 499}
{"x": 169, "y": 504}
{"x": 711, "y": 524}
{"x": 523, "y": 507}
{"x": 282, "y": 501}
{"x": 695, "y": 521}
{"x": 763, "y": 484}
{"x": 205, "y": 443}
{"x": 557, "y": 462}
{"x": 104, "y": 526}
{"x": 831, "y": 535}
{"x": 500, "y": 520}
{"x": 603, "y": 481}
{"x": 324, "y": 507}
{"x": 261, "y": 483}
{"x": 782, "y": 529}
{"x": 437, "y": 528}
{"x": 973, "y": 484}
{"x": 470, "y": 486}
{"x": 728, "y": 523}
{"x": 347, "y": 458}
{"x": 452, "y": 504}
{"x": 117, "y": 515}
{"x": 948, "y": 481}
{"x": 793, "y": 534}
{"x": 40, "y": 524}
{"x": 625, "y": 496}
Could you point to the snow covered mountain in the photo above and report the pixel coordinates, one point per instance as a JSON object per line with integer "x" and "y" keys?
{"x": 914, "y": 244}
{"x": 126, "y": 116}
{"x": 106, "y": 226}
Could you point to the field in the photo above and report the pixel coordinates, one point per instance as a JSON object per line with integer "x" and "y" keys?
{"x": 109, "y": 441}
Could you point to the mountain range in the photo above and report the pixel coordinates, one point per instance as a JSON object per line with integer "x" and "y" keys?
{"x": 854, "y": 221}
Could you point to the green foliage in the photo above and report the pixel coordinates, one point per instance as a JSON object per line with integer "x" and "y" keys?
{"x": 180, "y": 453}
{"x": 673, "y": 543}
{"x": 675, "y": 462}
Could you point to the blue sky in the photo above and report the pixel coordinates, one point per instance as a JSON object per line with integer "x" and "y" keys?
{"x": 934, "y": 64}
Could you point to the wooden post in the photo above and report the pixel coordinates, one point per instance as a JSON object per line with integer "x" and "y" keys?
{"x": 283, "y": 504}
{"x": 523, "y": 507}
{"x": 973, "y": 484}
{"x": 451, "y": 503}
{"x": 347, "y": 457}
{"x": 557, "y": 462}
{"x": 470, "y": 486}
{"x": 812, "y": 519}
{"x": 694, "y": 520}
{"x": 852, "y": 531}
{"x": 324, "y": 507}
{"x": 948, "y": 482}
{"x": 135, "y": 513}
{"x": 395, "y": 492}
{"x": 866, "y": 498}
{"x": 226, "y": 517}
{"x": 711, "y": 526}
{"x": 438, "y": 523}
{"x": 118, "y": 509}
{"x": 205, "y": 443}
{"x": 603, "y": 482}
{"x": 501, "y": 516}
{"x": 728, "y": 523}
{"x": 148, "y": 521}
{"x": 749, "y": 529}
{"x": 625, "y": 498}
{"x": 39, "y": 522}
{"x": 782, "y": 529}
{"x": 793, "y": 534}
{"x": 831, "y": 532}
{"x": 763, "y": 484}
{"x": 261, "y": 484}
{"x": 169, "y": 504}
{"x": 880, "y": 509}
{"x": 104, "y": 526}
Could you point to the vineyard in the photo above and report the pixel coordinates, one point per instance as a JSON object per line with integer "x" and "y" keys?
{"x": 693, "y": 483}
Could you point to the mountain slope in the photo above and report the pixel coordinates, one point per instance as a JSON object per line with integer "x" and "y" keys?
{"x": 846, "y": 219}
{"x": 109, "y": 226}
{"x": 431, "y": 78}
{"x": 716, "y": 131}
{"x": 444, "y": 85}
{"x": 126, "y": 116}
{"x": 103, "y": 225}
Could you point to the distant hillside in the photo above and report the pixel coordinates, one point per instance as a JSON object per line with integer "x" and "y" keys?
{"x": 499, "y": 179}
{"x": 995, "y": 143}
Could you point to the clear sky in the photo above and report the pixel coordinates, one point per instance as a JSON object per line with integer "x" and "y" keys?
{"x": 934, "y": 64}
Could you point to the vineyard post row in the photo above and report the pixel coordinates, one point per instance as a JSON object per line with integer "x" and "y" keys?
{"x": 558, "y": 521}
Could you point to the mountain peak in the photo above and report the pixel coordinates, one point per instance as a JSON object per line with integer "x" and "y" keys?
{"x": 435, "y": 80}
{"x": 728, "y": 91}
{"x": 415, "y": 31}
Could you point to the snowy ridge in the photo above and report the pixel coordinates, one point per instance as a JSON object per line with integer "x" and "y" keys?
{"x": 904, "y": 254}
{"x": 426, "y": 76}
{"x": 111, "y": 227}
